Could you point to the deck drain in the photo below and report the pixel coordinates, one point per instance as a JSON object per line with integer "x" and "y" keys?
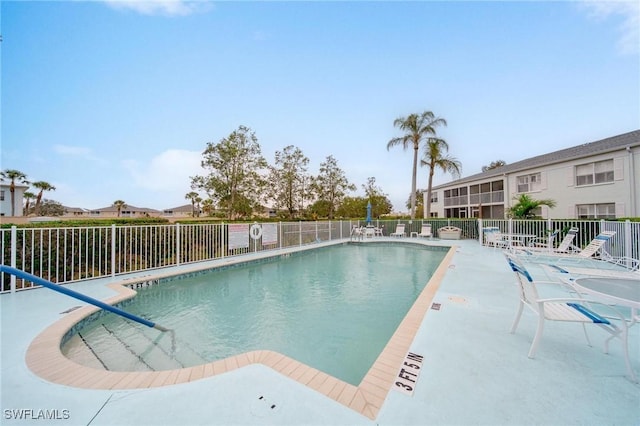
{"x": 263, "y": 406}
{"x": 436, "y": 306}
{"x": 70, "y": 310}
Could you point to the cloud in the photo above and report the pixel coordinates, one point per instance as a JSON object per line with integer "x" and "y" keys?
{"x": 81, "y": 152}
{"x": 167, "y": 172}
{"x": 160, "y": 7}
{"x": 629, "y": 11}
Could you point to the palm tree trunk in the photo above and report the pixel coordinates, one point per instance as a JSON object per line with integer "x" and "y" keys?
{"x": 38, "y": 201}
{"x": 428, "y": 212}
{"x": 413, "y": 182}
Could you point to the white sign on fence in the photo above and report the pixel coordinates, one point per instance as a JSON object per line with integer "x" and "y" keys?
{"x": 269, "y": 234}
{"x": 238, "y": 235}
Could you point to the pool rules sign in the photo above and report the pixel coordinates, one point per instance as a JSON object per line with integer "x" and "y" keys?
{"x": 407, "y": 377}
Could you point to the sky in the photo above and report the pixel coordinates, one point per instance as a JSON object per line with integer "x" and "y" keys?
{"x": 117, "y": 100}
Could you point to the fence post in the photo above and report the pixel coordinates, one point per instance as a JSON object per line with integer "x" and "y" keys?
{"x": 280, "y": 232}
{"x": 628, "y": 250}
{"x": 222, "y": 233}
{"x": 480, "y": 231}
{"x": 329, "y": 230}
{"x": 177, "y": 243}
{"x": 14, "y": 241}
{"x": 300, "y": 232}
{"x": 113, "y": 249}
{"x": 316, "y": 231}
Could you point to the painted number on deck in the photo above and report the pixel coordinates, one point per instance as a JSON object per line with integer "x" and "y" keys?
{"x": 408, "y": 374}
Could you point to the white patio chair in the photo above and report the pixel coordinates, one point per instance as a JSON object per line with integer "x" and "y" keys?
{"x": 357, "y": 233}
{"x": 495, "y": 239}
{"x": 425, "y": 231}
{"x": 577, "y": 310}
{"x": 399, "y": 232}
{"x": 378, "y": 231}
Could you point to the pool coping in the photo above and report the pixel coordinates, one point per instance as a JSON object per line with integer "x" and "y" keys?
{"x": 45, "y": 359}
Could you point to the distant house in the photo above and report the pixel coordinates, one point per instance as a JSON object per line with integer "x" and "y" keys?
{"x": 185, "y": 210}
{"x": 594, "y": 180}
{"x": 127, "y": 211}
{"x": 5, "y": 198}
{"x": 75, "y": 212}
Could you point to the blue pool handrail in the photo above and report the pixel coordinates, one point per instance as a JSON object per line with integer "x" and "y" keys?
{"x": 60, "y": 289}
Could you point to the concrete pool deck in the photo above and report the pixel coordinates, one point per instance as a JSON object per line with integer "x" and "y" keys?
{"x": 473, "y": 371}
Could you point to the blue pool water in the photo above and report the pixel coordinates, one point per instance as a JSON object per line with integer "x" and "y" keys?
{"x": 333, "y": 308}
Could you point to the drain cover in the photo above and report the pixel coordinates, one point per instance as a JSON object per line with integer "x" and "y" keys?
{"x": 263, "y": 406}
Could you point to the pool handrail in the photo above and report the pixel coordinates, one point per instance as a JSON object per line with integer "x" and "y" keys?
{"x": 72, "y": 293}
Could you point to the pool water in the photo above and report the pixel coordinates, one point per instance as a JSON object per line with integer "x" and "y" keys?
{"x": 333, "y": 308}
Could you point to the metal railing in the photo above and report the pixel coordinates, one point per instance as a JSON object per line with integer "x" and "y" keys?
{"x": 63, "y": 255}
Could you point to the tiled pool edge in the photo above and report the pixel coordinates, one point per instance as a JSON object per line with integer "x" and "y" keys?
{"x": 45, "y": 359}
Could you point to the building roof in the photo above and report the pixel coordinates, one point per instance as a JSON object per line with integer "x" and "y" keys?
{"x": 128, "y": 208}
{"x": 614, "y": 143}
{"x": 17, "y": 184}
{"x": 75, "y": 209}
{"x": 183, "y": 208}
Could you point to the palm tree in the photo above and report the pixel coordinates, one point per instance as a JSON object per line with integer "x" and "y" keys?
{"x": 14, "y": 175}
{"x": 119, "y": 204}
{"x": 417, "y": 128}
{"x": 42, "y": 186}
{"x": 435, "y": 157}
{"x": 28, "y": 196}
{"x": 525, "y": 206}
{"x": 193, "y": 197}
{"x": 494, "y": 165}
{"x": 207, "y": 206}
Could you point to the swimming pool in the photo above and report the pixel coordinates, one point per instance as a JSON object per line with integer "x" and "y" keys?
{"x": 333, "y": 308}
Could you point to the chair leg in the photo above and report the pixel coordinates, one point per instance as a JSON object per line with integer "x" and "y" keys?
{"x": 536, "y": 339}
{"x": 587, "y": 336}
{"x": 516, "y": 320}
{"x": 625, "y": 348}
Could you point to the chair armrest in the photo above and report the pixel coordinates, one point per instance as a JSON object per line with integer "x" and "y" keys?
{"x": 629, "y": 263}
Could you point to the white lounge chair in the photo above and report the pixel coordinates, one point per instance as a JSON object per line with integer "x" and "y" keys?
{"x": 425, "y": 231}
{"x": 565, "y": 246}
{"x": 593, "y": 250}
{"x": 399, "y": 232}
{"x": 567, "y": 310}
{"x": 542, "y": 243}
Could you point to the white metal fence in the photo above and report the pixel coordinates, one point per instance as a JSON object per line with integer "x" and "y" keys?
{"x": 63, "y": 255}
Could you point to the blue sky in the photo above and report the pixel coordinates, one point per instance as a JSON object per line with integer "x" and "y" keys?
{"x": 112, "y": 100}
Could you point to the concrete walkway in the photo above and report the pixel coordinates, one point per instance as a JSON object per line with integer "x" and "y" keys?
{"x": 474, "y": 371}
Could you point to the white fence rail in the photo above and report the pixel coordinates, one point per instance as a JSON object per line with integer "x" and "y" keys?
{"x": 63, "y": 255}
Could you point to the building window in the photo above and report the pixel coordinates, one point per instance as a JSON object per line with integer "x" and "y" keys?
{"x": 593, "y": 173}
{"x": 1, "y": 195}
{"x": 528, "y": 183}
{"x": 434, "y": 197}
{"x": 456, "y": 197}
{"x": 596, "y": 211}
